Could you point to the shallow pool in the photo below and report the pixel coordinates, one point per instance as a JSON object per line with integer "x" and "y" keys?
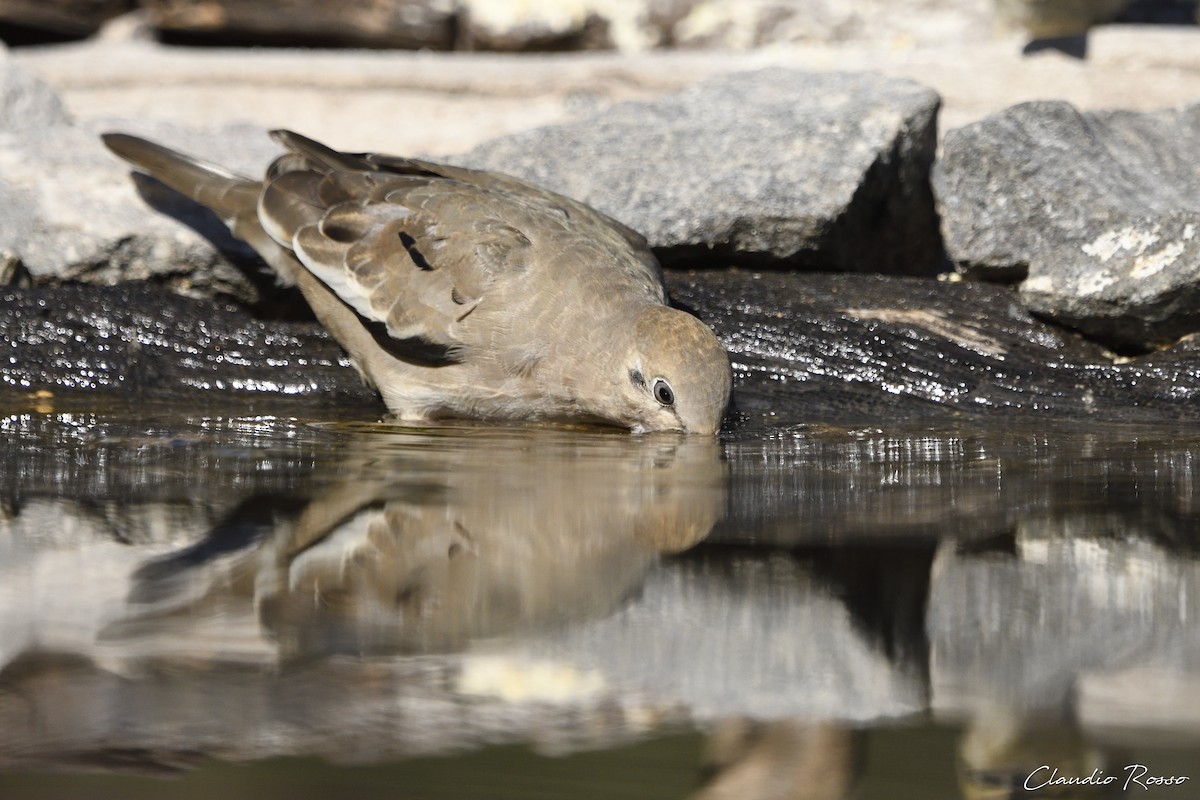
{"x": 217, "y": 603}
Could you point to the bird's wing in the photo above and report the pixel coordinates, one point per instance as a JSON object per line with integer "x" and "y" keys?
{"x": 417, "y": 247}
{"x": 415, "y": 254}
{"x": 326, "y": 159}
{"x": 509, "y": 184}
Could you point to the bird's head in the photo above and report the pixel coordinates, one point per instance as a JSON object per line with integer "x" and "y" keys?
{"x": 674, "y": 374}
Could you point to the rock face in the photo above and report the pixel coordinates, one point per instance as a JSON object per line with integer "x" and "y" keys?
{"x": 1098, "y": 212}
{"x": 775, "y": 167}
{"x": 791, "y": 169}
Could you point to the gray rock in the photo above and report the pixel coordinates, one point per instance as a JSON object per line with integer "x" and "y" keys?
{"x": 1098, "y": 212}
{"x": 73, "y": 213}
{"x": 823, "y": 171}
{"x": 25, "y": 102}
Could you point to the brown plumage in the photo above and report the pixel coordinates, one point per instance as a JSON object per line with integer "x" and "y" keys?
{"x": 465, "y": 293}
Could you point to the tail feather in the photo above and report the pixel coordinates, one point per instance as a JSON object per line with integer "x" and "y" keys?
{"x": 228, "y": 194}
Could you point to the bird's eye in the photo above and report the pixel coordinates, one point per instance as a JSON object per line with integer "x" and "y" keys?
{"x": 663, "y": 392}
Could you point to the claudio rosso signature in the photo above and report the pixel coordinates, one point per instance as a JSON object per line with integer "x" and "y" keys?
{"x": 1132, "y": 776}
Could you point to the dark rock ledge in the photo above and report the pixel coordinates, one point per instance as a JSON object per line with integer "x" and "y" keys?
{"x": 135, "y": 341}
{"x": 806, "y": 347}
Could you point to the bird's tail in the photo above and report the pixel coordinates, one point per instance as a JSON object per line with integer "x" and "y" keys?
{"x": 230, "y": 195}
{"x": 233, "y": 197}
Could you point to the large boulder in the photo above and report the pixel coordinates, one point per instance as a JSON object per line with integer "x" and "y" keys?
{"x": 774, "y": 167}
{"x": 72, "y": 212}
{"x": 778, "y": 167}
{"x": 1098, "y": 212}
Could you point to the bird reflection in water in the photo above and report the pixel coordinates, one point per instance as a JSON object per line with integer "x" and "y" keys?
{"x": 426, "y": 543}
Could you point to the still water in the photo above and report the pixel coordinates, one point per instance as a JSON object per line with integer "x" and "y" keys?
{"x": 202, "y": 603}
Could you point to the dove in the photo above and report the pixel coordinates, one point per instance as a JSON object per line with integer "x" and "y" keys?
{"x": 461, "y": 293}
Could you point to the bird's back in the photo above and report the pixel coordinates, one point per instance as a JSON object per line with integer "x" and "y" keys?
{"x": 423, "y": 248}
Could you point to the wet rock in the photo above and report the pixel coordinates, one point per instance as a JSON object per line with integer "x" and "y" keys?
{"x": 390, "y": 23}
{"x": 59, "y": 18}
{"x": 821, "y": 171}
{"x": 1098, "y": 212}
{"x": 837, "y": 347}
{"x": 74, "y": 214}
{"x": 805, "y": 348}
{"x": 134, "y": 341}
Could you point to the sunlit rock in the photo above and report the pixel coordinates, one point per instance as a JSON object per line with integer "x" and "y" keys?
{"x": 1098, "y": 213}
{"x": 776, "y": 167}
{"x": 74, "y": 214}
{"x": 26, "y": 103}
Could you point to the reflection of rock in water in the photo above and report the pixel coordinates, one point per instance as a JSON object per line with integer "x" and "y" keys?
{"x": 769, "y": 638}
{"x": 1000, "y": 753}
{"x": 521, "y": 576}
{"x": 1026, "y": 637}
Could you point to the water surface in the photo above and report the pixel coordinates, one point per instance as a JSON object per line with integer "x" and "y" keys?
{"x": 274, "y": 605}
